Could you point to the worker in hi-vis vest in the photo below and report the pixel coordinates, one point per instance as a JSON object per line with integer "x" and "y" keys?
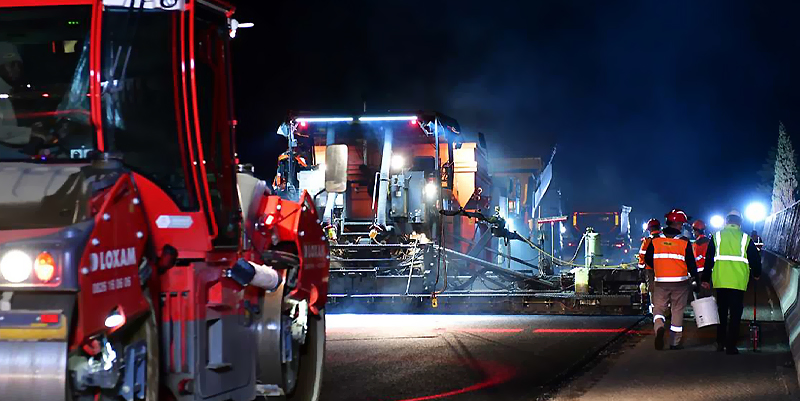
{"x": 699, "y": 247}
{"x": 731, "y": 259}
{"x": 672, "y": 259}
{"x": 654, "y": 230}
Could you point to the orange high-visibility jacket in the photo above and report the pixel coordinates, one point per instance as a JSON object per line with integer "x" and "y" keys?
{"x": 643, "y": 250}
{"x": 669, "y": 258}
{"x": 699, "y": 248}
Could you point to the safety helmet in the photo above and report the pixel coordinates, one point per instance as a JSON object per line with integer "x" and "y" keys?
{"x": 736, "y": 213}
{"x": 653, "y": 224}
{"x": 699, "y": 225}
{"x": 677, "y": 215}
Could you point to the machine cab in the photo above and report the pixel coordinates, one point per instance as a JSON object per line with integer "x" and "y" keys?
{"x": 142, "y": 83}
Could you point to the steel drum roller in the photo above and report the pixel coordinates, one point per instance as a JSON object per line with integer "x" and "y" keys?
{"x": 33, "y": 371}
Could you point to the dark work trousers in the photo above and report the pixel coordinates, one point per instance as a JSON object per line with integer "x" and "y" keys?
{"x": 729, "y": 301}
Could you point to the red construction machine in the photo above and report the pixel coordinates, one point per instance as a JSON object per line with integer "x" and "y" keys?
{"x": 138, "y": 260}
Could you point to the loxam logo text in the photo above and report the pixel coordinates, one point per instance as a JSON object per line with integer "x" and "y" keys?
{"x": 113, "y": 259}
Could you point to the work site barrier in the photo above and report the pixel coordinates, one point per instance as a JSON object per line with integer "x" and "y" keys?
{"x": 780, "y": 258}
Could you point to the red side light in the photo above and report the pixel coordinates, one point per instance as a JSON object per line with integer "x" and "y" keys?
{"x": 413, "y": 121}
{"x": 45, "y": 95}
{"x": 303, "y": 123}
{"x": 48, "y": 318}
{"x": 45, "y": 267}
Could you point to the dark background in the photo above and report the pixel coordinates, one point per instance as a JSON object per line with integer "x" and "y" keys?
{"x": 652, "y": 104}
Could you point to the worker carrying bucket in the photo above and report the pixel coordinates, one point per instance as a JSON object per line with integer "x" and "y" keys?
{"x": 731, "y": 259}
{"x": 705, "y": 311}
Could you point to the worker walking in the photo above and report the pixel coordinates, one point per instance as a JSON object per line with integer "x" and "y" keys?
{"x": 699, "y": 247}
{"x": 654, "y": 230}
{"x": 671, "y": 257}
{"x": 731, "y": 259}
{"x": 757, "y": 239}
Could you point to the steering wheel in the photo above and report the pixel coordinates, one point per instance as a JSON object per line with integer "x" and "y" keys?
{"x": 47, "y": 138}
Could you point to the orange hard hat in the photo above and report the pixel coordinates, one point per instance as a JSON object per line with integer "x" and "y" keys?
{"x": 699, "y": 225}
{"x": 677, "y": 216}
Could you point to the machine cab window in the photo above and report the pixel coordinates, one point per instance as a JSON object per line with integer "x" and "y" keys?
{"x": 44, "y": 83}
{"x": 142, "y": 111}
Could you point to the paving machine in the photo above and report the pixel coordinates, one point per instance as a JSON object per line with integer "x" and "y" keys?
{"x": 401, "y": 168}
{"x": 137, "y": 260}
{"x": 419, "y": 222}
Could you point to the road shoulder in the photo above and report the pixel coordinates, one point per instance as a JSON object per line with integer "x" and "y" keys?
{"x": 636, "y": 371}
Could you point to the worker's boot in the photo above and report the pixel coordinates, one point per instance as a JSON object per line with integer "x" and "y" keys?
{"x": 677, "y": 334}
{"x": 658, "y": 327}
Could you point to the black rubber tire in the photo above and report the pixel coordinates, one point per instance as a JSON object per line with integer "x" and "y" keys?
{"x": 312, "y": 354}
{"x": 147, "y": 330}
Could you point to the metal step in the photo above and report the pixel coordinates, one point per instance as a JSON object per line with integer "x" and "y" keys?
{"x": 357, "y": 223}
{"x": 354, "y": 233}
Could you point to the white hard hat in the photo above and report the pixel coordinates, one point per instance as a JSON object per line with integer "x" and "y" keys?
{"x": 736, "y": 213}
{"x": 8, "y": 53}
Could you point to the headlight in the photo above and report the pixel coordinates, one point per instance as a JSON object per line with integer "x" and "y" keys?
{"x": 16, "y": 266}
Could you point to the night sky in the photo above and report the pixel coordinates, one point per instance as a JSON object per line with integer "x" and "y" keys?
{"x": 653, "y": 104}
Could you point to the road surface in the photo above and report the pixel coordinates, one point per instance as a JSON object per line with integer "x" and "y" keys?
{"x": 457, "y": 357}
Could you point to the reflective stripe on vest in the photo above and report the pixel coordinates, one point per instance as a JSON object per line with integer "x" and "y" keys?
{"x": 669, "y": 256}
{"x": 672, "y": 279}
{"x": 731, "y": 268}
{"x": 669, "y": 259}
{"x": 742, "y": 258}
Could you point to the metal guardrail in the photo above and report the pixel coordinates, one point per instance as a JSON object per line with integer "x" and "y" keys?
{"x": 782, "y": 233}
{"x": 781, "y": 236}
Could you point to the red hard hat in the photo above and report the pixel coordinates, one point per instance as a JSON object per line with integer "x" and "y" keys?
{"x": 677, "y": 215}
{"x": 653, "y": 223}
{"x": 699, "y": 225}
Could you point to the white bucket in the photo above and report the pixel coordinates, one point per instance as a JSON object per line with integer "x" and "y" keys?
{"x": 705, "y": 311}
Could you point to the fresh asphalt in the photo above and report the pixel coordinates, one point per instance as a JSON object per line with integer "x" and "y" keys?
{"x": 458, "y": 357}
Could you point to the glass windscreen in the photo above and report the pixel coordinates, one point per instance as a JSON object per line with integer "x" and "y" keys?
{"x": 44, "y": 83}
{"x": 142, "y": 95}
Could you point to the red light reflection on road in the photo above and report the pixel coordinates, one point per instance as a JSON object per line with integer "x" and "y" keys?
{"x": 498, "y": 374}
